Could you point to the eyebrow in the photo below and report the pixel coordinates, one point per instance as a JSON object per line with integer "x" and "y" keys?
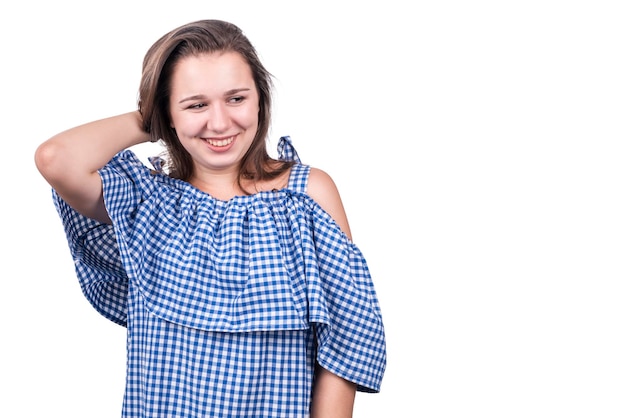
{"x": 202, "y": 96}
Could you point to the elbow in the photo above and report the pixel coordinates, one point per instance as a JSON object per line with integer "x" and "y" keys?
{"x": 49, "y": 160}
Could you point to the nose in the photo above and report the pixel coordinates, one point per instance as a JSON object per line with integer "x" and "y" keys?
{"x": 218, "y": 118}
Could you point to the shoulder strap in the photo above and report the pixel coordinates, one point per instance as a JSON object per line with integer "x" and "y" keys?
{"x": 299, "y": 177}
{"x": 299, "y": 173}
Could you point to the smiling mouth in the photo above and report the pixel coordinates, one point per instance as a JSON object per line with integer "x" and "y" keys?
{"x": 220, "y": 142}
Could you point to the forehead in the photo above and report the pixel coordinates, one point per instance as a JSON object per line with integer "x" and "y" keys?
{"x": 225, "y": 69}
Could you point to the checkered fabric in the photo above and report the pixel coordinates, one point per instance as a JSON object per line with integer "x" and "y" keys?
{"x": 228, "y": 304}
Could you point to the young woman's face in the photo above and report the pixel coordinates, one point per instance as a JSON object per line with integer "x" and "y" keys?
{"x": 214, "y": 108}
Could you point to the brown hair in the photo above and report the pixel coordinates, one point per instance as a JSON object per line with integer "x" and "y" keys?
{"x": 192, "y": 39}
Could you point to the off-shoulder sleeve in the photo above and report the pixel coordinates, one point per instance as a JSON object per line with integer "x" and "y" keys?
{"x": 342, "y": 304}
{"x": 342, "y": 301}
{"x": 97, "y": 262}
{"x": 94, "y": 246}
{"x": 350, "y": 337}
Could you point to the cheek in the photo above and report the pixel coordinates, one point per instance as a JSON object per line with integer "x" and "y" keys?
{"x": 248, "y": 117}
{"x": 188, "y": 124}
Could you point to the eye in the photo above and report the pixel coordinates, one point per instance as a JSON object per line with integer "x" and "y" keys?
{"x": 236, "y": 99}
{"x": 197, "y": 106}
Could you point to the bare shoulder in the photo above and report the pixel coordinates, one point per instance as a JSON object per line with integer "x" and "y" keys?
{"x": 320, "y": 185}
{"x": 322, "y": 188}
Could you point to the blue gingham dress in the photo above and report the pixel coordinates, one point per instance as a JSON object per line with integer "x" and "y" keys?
{"x": 227, "y": 304}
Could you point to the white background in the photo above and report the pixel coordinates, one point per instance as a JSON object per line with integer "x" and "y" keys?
{"x": 479, "y": 148}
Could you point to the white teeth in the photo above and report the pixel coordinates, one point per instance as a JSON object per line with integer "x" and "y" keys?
{"x": 220, "y": 142}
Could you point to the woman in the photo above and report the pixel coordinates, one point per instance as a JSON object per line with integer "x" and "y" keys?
{"x": 234, "y": 272}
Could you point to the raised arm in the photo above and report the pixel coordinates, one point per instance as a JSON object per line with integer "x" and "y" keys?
{"x": 70, "y": 160}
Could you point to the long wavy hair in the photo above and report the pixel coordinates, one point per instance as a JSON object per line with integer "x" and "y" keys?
{"x": 193, "y": 39}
